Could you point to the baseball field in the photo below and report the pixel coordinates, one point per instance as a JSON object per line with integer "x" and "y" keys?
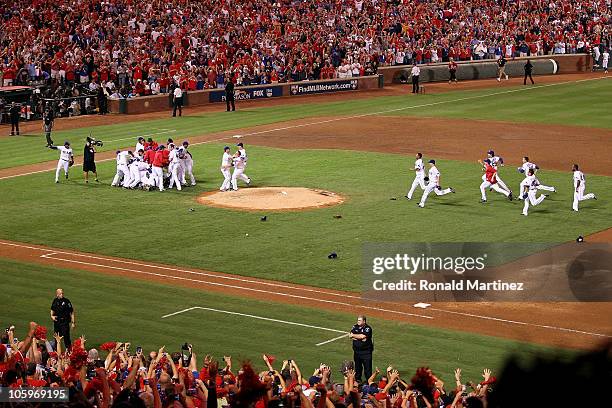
{"x": 148, "y": 265}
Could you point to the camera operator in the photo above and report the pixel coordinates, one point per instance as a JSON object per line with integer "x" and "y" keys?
{"x": 48, "y": 120}
{"x": 89, "y": 162}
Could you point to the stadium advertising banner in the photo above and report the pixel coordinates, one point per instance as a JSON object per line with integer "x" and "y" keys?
{"x": 331, "y": 86}
{"x": 272, "y": 91}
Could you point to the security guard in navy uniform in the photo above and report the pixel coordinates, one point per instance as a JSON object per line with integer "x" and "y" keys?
{"x": 363, "y": 347}
{"x": 62, "y": 314}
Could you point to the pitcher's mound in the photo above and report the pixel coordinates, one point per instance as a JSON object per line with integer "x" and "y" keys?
{"x": 271, "y": 198}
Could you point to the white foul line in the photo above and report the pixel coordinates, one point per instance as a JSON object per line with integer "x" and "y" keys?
{"x": 351, "y": 117}
{"x": 344, "y": 336}
{"x": 267, "y": 292}
{"x": 506, "y": 321}
{"x": 268, "y": 319}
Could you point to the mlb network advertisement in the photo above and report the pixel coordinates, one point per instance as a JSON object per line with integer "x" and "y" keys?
{"x": 248, "y": 93}
{"x": 428, "y": 272}
{"x": 305, "y": 88}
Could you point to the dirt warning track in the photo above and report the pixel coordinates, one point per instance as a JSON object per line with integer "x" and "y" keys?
{"x": 575, "y": 325}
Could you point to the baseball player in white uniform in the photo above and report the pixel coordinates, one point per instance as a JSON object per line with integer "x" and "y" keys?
{"x": 433, "y": 184}
{"x": 239, "y": 165}
{"x": 140, "y": 144}
{"x": 496, "y": 162}
{"x": 528, "y": 165}
{"x": 123, "y": 171}
{"x": 226, "y": 166}
{"x": 65, "y": 160}
{"x": 529, "y": 189}
{"x": 188, "y": 164}
{"x": 173, "y": 167}
{"x": 419, "y": 176}
{"x": 243, "y": 154}
{"x": 605, "y": 57}
{"x": 579, "y": 188}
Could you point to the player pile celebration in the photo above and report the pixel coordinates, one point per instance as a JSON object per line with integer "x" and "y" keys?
{"x": 154, "y": 165}
{"x": 528, "y": 188}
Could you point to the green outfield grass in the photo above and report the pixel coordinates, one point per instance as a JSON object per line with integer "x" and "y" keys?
{"x": 117, "y": 309}
{"x": 578, "y": 103}
{"x": 290, "y": 246}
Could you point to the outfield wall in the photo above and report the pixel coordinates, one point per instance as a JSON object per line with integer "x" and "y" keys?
{"x": 469, "y": 70}
{"x": 156, "y": 103}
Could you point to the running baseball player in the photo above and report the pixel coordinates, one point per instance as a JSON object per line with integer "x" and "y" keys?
{"x": 529, "y": 189}
{"x": 433, "y": 184}
{"x": 491, "y": 181}
{"x": 528, "y": 165}
{"x": 496, "y": 162}
{"x": 173, "y": 167}
{"x": 239, "y": 165}
{"x": 226, "y": 165}
{"x": 66, "y": 159}
{"x": 579, "y": 188}
{"x": 419, "y": 176}
{"x": 245, "y": 159}
{"x": 188, "y": 164}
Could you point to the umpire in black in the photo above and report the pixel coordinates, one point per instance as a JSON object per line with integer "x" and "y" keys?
{"x": 229, "y": 95}
{"x": 363, "y": 347}
{"x": 48, "y": 120}
{"x": 14, "y": 113}
{"x": 528, "y": 71}
{"x": 62, "y": 314}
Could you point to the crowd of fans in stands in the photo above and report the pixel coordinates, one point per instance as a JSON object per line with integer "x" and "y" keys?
{"x": 135, "y": 47}
{"x": 117, "y": 376}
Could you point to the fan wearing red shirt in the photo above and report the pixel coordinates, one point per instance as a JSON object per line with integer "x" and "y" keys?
{"x": 490, "y": 181}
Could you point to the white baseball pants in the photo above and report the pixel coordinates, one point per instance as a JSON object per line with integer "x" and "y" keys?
{"x": 189, "y": 171}
{"x": 486, "y": 184}
{"x": 418, "y": 181}
{"x": 432, "y": 187}
{"x": 227, "y": 179}
{"x": 239, "y": 174}
{"x": 61, "y": 164}
{"x": 174, "y": 176}
{"x": 158, "y": 172}
{"x": 531, "y": 199}
{"x": 580, "y": 196}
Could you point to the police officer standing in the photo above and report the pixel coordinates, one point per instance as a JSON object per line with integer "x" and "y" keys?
{"x": 62, "y": 314}
{"x": 363, "y": 347}
{"x": 229, "y": 94}
{"x": 14, "y": 113}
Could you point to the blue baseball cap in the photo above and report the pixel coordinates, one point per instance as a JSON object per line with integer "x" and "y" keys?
{"x": 432, "y": 161}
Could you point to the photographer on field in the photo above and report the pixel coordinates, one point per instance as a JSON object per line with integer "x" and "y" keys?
{"x": 89, "y": 156}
